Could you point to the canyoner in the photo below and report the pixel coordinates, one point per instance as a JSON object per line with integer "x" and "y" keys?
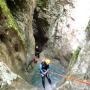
{"x": 44, "y": 71}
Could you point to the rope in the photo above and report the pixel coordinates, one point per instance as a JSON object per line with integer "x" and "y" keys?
{"x": 72, "y": 78}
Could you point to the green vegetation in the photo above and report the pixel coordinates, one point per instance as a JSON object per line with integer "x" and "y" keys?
{"x": 88, "y": 28}
{"x": 74, "y": 57}
{"x": 10, "y": 23}
{"x": 42, "y": 4}
{"x": 6, "y": 12}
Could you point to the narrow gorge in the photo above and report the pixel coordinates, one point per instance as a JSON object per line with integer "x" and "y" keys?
{"x": 61, "y": 31}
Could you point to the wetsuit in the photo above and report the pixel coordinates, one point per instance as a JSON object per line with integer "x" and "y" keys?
{"x": 37, "y": 52}
{"x": 44, "y": 68}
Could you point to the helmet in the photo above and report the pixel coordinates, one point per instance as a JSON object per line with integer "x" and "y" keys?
{"x": 36, "y": 46}
{"x": 47, "y": 61}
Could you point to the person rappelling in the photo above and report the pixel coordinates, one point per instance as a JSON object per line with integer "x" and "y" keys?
{"x": 37, "y": 51}
{"x": 44, "y": 71}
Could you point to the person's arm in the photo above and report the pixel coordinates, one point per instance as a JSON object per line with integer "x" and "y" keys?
{"x": 41, "y": 69}
{"x": 46, "y": 71}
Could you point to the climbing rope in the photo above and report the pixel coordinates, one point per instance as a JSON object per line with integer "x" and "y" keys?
{"x": 67, "y": 77}
{"x": 72, "y": 78}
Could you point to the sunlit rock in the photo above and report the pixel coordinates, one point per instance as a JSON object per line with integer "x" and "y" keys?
{"x": 12, "y": 81}
{"x": 67, "y": 26}
{"x": 6, "y": 75}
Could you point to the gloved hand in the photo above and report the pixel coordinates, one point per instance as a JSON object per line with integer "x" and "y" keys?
{"x": 45, "y": 73}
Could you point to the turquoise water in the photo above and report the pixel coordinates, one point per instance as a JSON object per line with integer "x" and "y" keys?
{"x": 36, "y": 80}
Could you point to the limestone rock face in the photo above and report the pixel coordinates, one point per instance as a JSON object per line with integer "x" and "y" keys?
{"x": 16, "y": 35}
{"x": 6, "y": 75}
{"x": 67, "y": 27}
{"x": 59, "y": 28}
{"x": 80, "y": 71}
{"x": 12, "y": 81}
{"x": 67, "y": 32}
{"x": 23, "y": 15}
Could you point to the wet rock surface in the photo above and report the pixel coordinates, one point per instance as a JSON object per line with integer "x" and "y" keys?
{"x": 12, "y": 81}
{"x": 58, "y": 27}
{"x": 80, "y": 70}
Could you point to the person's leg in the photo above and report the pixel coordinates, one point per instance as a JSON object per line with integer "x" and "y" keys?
{"x": 48, "y": 78}
{"x": 37, "y": 54}
{"x": 43, "y": 81}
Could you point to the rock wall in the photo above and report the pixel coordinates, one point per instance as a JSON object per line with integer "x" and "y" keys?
{"x": 67, "y": 35}
{"x": 12, "y": 81}
{"x": 59, "y": 28}
{"x": 67, "y": 24}
{"x": 17, "y": 43}
{"x": 81, "y": 69}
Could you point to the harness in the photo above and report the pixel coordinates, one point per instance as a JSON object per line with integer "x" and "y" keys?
{"x": 44, "y": 67}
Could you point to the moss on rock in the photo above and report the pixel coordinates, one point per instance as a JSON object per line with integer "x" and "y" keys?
{"x": 42, "y": 4}
{"x": 10, "y": 22}
{"x": 74, "y": 57}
